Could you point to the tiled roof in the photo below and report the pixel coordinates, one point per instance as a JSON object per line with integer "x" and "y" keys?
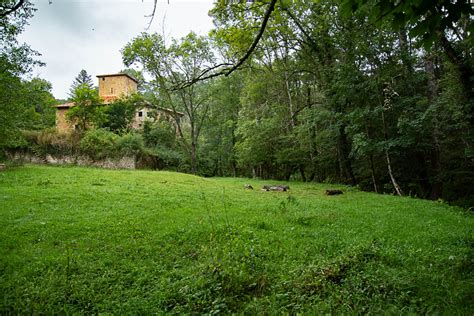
{"x": 118, "y": 75}
{"x": 66, "y": 105}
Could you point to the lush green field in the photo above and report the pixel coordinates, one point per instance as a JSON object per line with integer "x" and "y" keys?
{"x": 91, "y": 240}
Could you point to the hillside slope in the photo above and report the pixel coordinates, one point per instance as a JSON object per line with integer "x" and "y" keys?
{"x": 91, "y": 240}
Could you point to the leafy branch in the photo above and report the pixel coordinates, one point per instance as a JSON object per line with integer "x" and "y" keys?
{"x": 8, "y": 9}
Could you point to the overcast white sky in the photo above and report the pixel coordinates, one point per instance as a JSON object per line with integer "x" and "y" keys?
{"x": 88, "y": 34}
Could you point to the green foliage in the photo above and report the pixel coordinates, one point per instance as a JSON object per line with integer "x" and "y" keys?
{"x": 119, "y": 114}
{"x": 160, "y": 133}
{"x": 99, "y": 143}
{"x": 329, "y": 95}
{"x": 424, "y": 18}
{"x": 130, "y": 144}
{"x": 39, "y": 96}
{"x": 50, "y": 141}
{"x": 169, "y": 66}
{"x": 82, "y": 79}
{"x": 87, "y": 110}
{"x": 79, "y": 240}
{"x": 166, "y": 158}
{"x": 24, "y": 105}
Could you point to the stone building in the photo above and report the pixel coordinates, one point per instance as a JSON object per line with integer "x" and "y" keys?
{"x": 111, "y": 87}
{"x": 114, "y": 86}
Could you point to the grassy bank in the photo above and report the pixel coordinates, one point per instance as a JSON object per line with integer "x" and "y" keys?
{"x": 90, "y": 240}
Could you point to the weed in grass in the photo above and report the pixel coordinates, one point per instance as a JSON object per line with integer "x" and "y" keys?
{"x": 44, "y": 182}
{"x": 289, "y": 202}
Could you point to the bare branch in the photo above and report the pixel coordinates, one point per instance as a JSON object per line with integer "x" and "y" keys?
{"x": 152, "y": 15}
{"x": 252, "y": 47}
{"x": 203, "y": 76}
{"x": 226, "y": 71}
{"x": 300, "y": 27}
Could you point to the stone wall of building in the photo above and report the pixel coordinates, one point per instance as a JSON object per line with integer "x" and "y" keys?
{"x": 111, "y": 87}
{"x": 62, "y": 125}
{"x": 114, "y": 86}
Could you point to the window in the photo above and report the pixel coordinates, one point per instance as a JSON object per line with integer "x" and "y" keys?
{"x": 111, "y": 90}
{"x": 140, "y": 114}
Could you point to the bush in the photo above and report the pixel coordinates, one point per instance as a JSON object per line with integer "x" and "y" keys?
{"x": 159, "y": 133}
{"x": 50, "y": 141}
{"x": 160, "y": 158}
{"x": 98, "y": 144}
{"x": 130, "y": 144}
{"x": 168, "y": 157}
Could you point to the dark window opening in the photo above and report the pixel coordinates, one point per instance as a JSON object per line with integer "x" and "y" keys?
{"x": 140, "y": 114}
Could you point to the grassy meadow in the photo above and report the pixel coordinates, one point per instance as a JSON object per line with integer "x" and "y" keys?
{"x": 82, "y": 240}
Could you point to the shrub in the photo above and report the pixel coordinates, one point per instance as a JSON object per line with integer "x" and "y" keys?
{"x": 159, "y": 133}
{"x": 31, "y": 137}
{"x": 53, "y": 142}
{"x": 98, "y": 144}
{"x": 50, "y": 141}
{"x": 168, "y": 157}
{"x": 130, "y": 144}
{"x": 160, "y": 158}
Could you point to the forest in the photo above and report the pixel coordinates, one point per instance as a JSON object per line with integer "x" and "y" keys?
{"x": 374, "y": 94}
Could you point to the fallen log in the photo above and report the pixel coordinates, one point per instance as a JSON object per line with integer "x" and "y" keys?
{"x": 333, "y": 192}
{"x": 281, "y": 188}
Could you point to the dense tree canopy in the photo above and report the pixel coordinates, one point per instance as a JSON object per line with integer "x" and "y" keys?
{"x": 24, "y": 104}
{"x": 333, "y": 96}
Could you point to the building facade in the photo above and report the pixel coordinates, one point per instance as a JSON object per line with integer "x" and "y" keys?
{"x": 111, "y": 87}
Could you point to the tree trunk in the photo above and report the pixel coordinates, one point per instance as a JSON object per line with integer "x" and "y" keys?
{"x": 368, "y": 129}
{"x": 437, "y": 184}
{"x": 303, "y": 176}
{"x": 435, "y": 154}
{"x": 372, "y": 170}
{"x": 290, "y": 101}
{"x": 389, "y": 163}
{"x": 233, "y": 161}
{"x": 344, "y": 155}
{"x": 193, "y": 158}
{"x": 390, "y": 173}
{"x": 313, "y": 153}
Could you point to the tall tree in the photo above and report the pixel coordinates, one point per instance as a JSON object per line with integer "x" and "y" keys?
{"x": 83, "y": 78}
{"x": 169, "y": 66}
{"x": 16, "y": 60}
{"x": 87, "y": 110}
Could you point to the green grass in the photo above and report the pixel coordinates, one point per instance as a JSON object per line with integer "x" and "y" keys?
{"x": 81, "y": 240}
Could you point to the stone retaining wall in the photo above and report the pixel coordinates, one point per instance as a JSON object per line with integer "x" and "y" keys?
{"x": 126, "y": 162}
